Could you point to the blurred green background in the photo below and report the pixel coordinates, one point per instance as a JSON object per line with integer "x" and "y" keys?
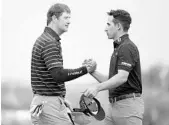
{"x": 16, "y": 97}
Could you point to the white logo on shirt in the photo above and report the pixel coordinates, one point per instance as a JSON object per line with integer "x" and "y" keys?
{"x": 126, "y": 64}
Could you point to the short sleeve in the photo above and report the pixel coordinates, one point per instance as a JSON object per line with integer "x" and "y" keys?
{"x": 52, "y": 55}
{"x": 126, "y": 59}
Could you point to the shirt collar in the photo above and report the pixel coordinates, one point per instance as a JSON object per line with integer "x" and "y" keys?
{"x": 52, "y": 33}
{"x": 120, "y": 40}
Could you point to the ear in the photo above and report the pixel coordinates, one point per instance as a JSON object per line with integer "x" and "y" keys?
{"x": 54, "y": 18}
{"x": 119, "y": 26}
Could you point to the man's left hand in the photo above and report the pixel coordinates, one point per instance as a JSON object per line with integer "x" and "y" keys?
{"x": 92, "y": 91}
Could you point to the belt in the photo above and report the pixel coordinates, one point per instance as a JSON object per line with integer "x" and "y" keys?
{"x": 43, "y": 94}
{"x": 118, "y": 98}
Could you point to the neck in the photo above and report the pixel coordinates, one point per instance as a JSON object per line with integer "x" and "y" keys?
{"x": 56, "y": 29}
{"x": 119, "y": 35}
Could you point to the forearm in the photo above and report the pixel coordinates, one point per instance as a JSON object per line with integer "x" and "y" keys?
{"x": 99, "y": 77}
{"x": 63, "y": 75}
{"x": 113, "y": 82}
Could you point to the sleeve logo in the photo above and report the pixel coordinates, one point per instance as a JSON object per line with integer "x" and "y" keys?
{"x": 126, "y": 64}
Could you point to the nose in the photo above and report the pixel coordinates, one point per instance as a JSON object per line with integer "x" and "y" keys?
{"x": 105, "y": 29}
{"x": 68, "y": 21}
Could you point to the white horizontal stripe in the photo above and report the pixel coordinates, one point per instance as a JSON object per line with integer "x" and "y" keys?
{"x": 44, "y": 89}
{"x": 41, "y": 74}
{"x": 35, "y": 54}
{"x": 40, "y": 41}
{"x": 47, "y": 87}
{"x": 51, "y": 44}
{"x": 54, "y": 61}
{"x": 40, "y": 67}
{"x": 35, "y": 59}
{"x": 34, "y": 51}
{"x": 54, "y": 85}
{"x": 39, "y": 60}
{"x": 60, "y": 85}
{"x": 36, "y": 81}
{"x": 39, "y": 71}
{"x": 54, "y": 53}
{"x": 52, "y": 56}
{"x": 37, "y": 43}
{"x": 53, "y": 48}
{"x": 42, "y": 78}
{"x": 46, "y": 82}
{"x": 55, "y": 66}
{"x": 59, "y": 64}
{"x": 49, "y": 82}
{"x": 47, "y": 37}
{"x": 38, "y": 85}
{"x": 42, "y": 38}
{"x": 37, "y": 48}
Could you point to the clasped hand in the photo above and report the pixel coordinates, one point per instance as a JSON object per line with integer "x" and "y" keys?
{"x": 90, "y": 64}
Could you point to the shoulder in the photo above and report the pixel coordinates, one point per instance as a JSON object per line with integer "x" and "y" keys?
{"x": 47, "y": 39}
{"x": 130, "y": 46}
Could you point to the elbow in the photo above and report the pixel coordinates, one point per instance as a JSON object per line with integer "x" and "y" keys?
{"x": 57, "y": 75}
{"x": 58, "y": 78}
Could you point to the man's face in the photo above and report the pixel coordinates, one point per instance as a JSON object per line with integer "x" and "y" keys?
{"x": 64, "y": 21}
{"x": 111, "y": 29}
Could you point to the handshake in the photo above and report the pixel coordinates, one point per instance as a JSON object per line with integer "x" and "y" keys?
{"x": 90, "y": 64}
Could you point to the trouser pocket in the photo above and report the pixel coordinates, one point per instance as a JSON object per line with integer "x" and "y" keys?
{"x": 53, "y": 111}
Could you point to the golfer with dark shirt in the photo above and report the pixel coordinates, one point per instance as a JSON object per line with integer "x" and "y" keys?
{"x": 124, "y": 81}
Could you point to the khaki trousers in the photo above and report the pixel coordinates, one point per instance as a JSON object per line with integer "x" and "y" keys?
{"x": 125, "y": 112}
{"x": 54, "y": 111}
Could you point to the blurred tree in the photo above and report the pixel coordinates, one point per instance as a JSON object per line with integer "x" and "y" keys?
{"x": 14, "y": 96}
{"x": 152, "y": 78}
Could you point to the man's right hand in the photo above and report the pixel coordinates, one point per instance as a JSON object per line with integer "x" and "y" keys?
{"x": 90, "y": 64}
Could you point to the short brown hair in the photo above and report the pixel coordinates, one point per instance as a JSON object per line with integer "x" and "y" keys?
{"x": 57, "y": 10}
{"x": 121, "y": 16}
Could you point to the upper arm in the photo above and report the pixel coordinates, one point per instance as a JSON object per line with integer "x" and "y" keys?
{"x": 126, "y": 58}
{"x": 51, "y": 54}
{"x": 123, "y": 75}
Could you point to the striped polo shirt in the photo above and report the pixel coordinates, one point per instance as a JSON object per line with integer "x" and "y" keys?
{"x": 46, "y": 54}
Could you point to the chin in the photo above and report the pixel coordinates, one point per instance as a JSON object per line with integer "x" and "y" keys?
{"x": 65, "y": 30}
{"x": 109, "y": 37}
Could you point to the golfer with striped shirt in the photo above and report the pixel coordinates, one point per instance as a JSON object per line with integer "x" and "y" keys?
{"x": 48, "y": 76}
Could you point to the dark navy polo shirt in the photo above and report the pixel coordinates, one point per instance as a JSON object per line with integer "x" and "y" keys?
{"x": 126, "y": 57}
